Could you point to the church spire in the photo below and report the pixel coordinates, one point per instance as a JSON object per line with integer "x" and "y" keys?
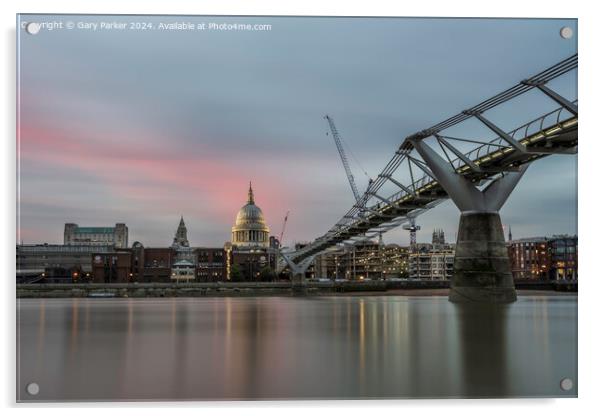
{"x": 181, "y": 237}
{"x": 251, "y": 199}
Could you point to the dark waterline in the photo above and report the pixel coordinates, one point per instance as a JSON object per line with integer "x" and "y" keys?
{"x": 281, "y": 348}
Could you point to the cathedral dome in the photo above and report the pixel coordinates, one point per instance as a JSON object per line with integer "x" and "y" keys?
{"x": 250, "y": 228}
{"x": 250, "y": 216}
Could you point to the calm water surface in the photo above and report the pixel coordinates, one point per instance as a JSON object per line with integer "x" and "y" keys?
{"x": 278, "y": 348}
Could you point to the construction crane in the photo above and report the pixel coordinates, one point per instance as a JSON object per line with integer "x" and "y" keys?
{"x": 412, "y": 227}
{"x": 283, "y": 228}
{"x": 337, "y": 142}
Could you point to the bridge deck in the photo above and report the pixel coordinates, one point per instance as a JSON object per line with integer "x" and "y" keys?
{"x": 555, "y": 133}
{"x": 559, "y": 137}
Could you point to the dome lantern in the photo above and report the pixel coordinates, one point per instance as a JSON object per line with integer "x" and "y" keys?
{"x": 251, "y": 199}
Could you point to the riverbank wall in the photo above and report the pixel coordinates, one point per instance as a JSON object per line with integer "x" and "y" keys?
{"x": 219, "y": 289}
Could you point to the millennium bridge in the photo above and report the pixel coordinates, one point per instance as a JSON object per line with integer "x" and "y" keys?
{"x": 477, "y": 175}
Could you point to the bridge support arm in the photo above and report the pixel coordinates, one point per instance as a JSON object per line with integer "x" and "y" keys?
{"x": 571, "y": 107}
{"x": 464, "y": 194}
{"x": 458, "y": 154}
{"x": 298, "y": 271}
{"x": 497, "y": 192}
{"x": 399, "y": 184}
{"x": 503, "y": 135}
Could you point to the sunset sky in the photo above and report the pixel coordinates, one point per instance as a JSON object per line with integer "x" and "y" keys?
{"x": 144, "y": 126}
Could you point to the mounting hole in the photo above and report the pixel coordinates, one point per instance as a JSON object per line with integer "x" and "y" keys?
{"x": 566, "y": 384}
{"x": 33, "y": 28}
{"x": 33, "y": 389}
{"x": 566, "y": 32}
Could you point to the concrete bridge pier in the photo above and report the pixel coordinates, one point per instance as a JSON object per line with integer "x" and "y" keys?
{"x": 482, "y": 270}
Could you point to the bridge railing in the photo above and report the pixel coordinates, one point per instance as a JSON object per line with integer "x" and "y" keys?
{"x": 533, "y": 127}
{"x": 553, "y": 118}
{"x": 521, "y": 133}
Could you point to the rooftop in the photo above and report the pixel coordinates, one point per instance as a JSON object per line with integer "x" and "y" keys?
{"x": 94, "y": 230}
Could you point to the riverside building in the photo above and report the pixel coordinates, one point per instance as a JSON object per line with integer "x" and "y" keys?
{"x": 116, "y": 236}
{"x": 369, "y": 260}
{"x": 544, "y": 258}
{"x": 102, "y": 255}
{"x": 56, "y": 262}
{"x": 433, "y": 261}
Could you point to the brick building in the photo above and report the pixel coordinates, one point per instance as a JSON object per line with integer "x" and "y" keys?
{"x": 157, "y": 264}
{"x": 529, "y": 258}
{"x": 211, "y": 264}
{"x": 114, "y": 267}
{"x": 553, "y": 258}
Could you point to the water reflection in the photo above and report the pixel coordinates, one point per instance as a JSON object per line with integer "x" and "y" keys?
{"x": 321, "y": 347}
{"x": 483, "y": 349}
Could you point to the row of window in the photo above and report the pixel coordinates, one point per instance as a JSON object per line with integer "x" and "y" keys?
{"x": 34, "y": 250}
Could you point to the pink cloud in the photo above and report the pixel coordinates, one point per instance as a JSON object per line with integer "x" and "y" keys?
{"x": 158, "y": 175}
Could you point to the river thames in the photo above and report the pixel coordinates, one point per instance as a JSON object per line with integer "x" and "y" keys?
{"x": 294, "y": 348}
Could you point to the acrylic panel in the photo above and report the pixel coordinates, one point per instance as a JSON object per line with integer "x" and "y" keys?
{"x": 264, "y": 207}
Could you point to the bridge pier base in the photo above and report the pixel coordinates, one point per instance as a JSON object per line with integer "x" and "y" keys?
{"x": 482, "y": 271}
{"x": 299, "y": 284}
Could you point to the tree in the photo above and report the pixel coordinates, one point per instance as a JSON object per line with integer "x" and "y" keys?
{"x": 267, "y": 274}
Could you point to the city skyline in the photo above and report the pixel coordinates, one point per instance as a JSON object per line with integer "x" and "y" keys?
{"x": 155, "y": 133}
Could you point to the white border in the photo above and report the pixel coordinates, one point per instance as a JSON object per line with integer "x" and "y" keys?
{"x": 589, "y": 231}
